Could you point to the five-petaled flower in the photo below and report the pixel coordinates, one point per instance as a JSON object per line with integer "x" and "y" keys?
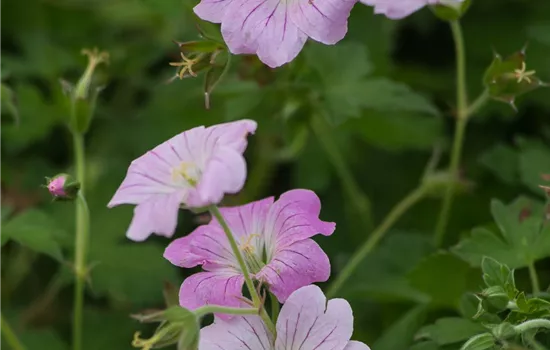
{"x": 193, "y": 169}
{"x": 306, "y": 322}
{"x": 274, "y": 241}
{"x": 396, "y": 9}
{"x": 276, "y": 30}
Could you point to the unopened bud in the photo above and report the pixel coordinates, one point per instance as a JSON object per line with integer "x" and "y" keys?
{"x": 63, "y": 187}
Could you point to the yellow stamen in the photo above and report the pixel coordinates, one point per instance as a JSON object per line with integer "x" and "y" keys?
{"x": 522, "y": 74}
{"x": 183, "y": 171}
{"x": 186, "y": 65}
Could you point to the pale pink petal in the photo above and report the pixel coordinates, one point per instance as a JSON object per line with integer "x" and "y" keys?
{"x": 225, "y": 172}
{"x": 211, "y": 10}
{"x": 296, "y": 266}
{"x": 325, "y": 21}
{"x": 356, "y": 345}
{"x": 232, "y": 134}
{"x": 294, "y": 217}
{"x": 159, "y": 215}
{"x": 207, "y": 246}
{"x": 221, "y": 287}
{"x": 305, "y": 324}
{"x": 402, "y": 8}
{"x": 239, "y": 333}
{"x": 246, "y": 220}
{"x": 262, "y": 27}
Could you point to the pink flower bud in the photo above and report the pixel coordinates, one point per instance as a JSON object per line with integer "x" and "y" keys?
{"x": 63, "y": 187}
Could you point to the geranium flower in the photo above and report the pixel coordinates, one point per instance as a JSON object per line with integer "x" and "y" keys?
{"x": 276, "y": 30}
{"x": 274, "y": 240}
{"x": 306, "y": 322}
{"x": 193, "y": 169}
{"x": 397, "y": 9}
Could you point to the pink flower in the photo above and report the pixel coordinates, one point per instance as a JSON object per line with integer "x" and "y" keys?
{"x": 306, "y": 322}
{"x": 274, "y": 240}
{"x": 276, "y": 30}
{"x": 63, "y": 187}
{"x": 56, "y": 186}
{"x": 194, "y": 169}
{"x": 396, "y": 9}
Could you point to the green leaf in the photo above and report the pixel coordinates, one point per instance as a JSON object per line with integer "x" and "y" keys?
{"x": 400, "y": 334}
{"x": 450, "y": 330}
{"x": 108, "y": 330}
{"x": 384, "y": 272}
{"x": 497, "y": 274}
{"x": 524, "y": 237}
{"x": 503, "y": 161}
{"x": 533, "y": 163}
{"x": 8, "y": 103}
{"x": 443, "y": 277}
{"x": 479, "y": 342}
{"x": 36, "y": 231}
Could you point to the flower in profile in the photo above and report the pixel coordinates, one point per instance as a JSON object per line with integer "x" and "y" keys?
{"x": 306, "y": 322}
{"x": 193, "y": 169}
{"x": 274, "y": 241}
{"x": 276, "y": 30}
{"x": 397, "y": 9}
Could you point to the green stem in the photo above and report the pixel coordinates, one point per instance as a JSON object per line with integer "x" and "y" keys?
{"x": 81, "y": 241}
{"x": 248, "y": 281}
{"x": 397, "y": 211}
{"x": 462, "y": 118}
{"x": 359, "y": 200}
{"x": 532, "y": 324}
{"x": 275, "y": 307}
{"x": 9, "y": 335}
{"x": 534, "y": 278}
{"x": 478, "y": 103}
{"x": 211, "y": 309}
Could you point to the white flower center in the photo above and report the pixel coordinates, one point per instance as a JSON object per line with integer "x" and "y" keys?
{"x": 186, "y": 174}
{"x": 252, "y": 253}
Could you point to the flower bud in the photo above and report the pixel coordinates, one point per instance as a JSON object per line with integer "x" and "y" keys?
{"x": 63, "y": 187}
{"x": 507, "y": 78}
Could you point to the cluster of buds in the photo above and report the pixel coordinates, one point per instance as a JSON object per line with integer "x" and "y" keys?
{"x": 63, "y": 187}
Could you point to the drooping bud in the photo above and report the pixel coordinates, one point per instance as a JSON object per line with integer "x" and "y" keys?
{"x": 63, "y": 187}
{"x": 82, "y": 97}
{"x": 505, "y": 79}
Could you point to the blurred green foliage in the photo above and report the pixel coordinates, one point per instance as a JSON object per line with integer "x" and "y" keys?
{"x": 387, "y": 93}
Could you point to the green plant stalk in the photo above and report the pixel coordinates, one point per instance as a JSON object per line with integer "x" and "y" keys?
{"x": 81, "y": 241}
{"x": 532, "y": 324}
{"x": 275, "y": 307}
{"x": 534, "y": 278}
{"x": 398, "y": 210}
{"x": 211, "y": 309}
{"x": 359, "y": 200}
{"x": 256, "y": 300}
{"x": 461, "y": 122}
{"x": 9, "y": 335}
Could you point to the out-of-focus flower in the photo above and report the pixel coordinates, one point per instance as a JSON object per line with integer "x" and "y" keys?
{"x": 275, "y": 243}
{"x": 397, "y": 9}
{"x": 63, "y": 187}
{"x": 277, "y": 30}
{"x": 193, "y": 169}
{"x": 306, "y": 322}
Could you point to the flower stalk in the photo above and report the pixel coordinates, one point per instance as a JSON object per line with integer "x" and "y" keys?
{"x": 9, "y": 335}
{"x": 400, "y": 208}
{"x": 463, "y": 113}
{"x": 256, "y": 300}
{"x": 216, "y": 309}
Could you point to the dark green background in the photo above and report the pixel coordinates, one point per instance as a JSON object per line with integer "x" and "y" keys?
{"x": 383, "y": 131}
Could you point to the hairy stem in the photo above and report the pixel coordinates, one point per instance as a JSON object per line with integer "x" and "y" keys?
{"x": 461, "y": 121}
{"x": 9, "y": 335}
{"x": 81, "y": 241}
{"x": 394, "y": 215}
{"x": 211, "y": 309}
{"x": 532, "y": 324}
{"x": 534, "y": 278}
{"x": 258, "y": 303}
